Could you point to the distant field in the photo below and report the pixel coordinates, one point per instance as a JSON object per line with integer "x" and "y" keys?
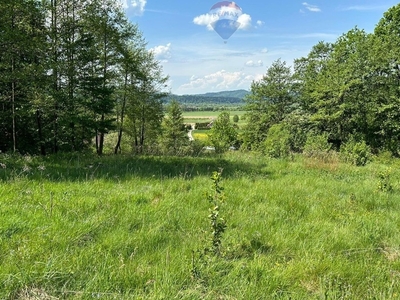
{"x": 200, "y": 135}
{"x": 204, "y": 116}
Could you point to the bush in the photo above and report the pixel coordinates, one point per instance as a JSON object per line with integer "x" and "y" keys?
{"x": 203, "y": 126}
{"x": 235, "y": 118}
{"x": 297, "y": 124}
{"x": 356, "y": 153}
{"x": 317, "y": 146}
{"x": 384, "y": 157}
{"x": 277, "y": 143}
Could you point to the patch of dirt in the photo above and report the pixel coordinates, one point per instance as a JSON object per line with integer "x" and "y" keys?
{"x": 391, "y": 254}
{"x": 34, "y": 294}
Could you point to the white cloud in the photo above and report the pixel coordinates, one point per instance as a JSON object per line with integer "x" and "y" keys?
{"x": 137, "y": 6}
{"x": 245, "y": 21}
{"x": 260, "y": 23}
{"x": 162, "y": 53}
{"x": 367, "y": 7}
{"x": 219, "y": 81}
{"x": 310, "y": 7}
{"x": 264, "y": 50}
{"x": 207, "y": 19}
{"x": 251, "y": 63}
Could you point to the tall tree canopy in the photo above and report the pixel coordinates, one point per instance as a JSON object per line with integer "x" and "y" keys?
{"x": 68, "y": 69}
{"x": 270, "y": 101}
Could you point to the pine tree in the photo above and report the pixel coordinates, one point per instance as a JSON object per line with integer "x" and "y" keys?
{"x": 175, "y": 133}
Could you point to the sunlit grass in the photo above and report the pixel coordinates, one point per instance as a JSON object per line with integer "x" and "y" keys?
{"x": 123, "y": 227}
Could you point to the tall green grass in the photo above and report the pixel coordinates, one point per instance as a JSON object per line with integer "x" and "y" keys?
{"x": 125, "y": 227}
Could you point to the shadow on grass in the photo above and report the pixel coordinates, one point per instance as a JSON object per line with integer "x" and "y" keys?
{"x": 84, "y": 167}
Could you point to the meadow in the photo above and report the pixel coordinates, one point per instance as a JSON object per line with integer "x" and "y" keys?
{"x": 138, "y": 227}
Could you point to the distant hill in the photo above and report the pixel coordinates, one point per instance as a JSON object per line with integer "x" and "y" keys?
{"x": 210, "y": 100}
{"x": 229, "y": 94}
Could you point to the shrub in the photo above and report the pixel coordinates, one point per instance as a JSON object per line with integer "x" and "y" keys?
{"x": 356, "y": 153}
{"x": 203, "y": 126}
{"x": 317, "y": 146}
{"x": 223, "y": 133}
{"x": 384, "y": 157}
{"x": 277, "y": 143}
{"x": 298, "y": 126}
{"x": 235, "y": 118}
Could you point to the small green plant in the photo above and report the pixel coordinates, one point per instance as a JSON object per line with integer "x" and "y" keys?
{"x": 203, "y": 259}
{"x": 384, "y": 182}
{"x": 356, "y": 153}
{"x": 218, "y": 224}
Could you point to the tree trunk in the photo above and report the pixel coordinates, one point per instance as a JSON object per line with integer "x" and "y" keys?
{"x": 14, "y": 133}
{"x": 100, "y": 141}
{"x": 118, "y": 145}
{"x": 54, "y": 33}
{"x": 40, "y": 133}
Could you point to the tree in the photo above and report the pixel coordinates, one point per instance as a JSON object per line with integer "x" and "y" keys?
{"x": 133, "y": 52}
{"x": 104, "y": 20}
{"x": 223, "y": 134}
{"x": 175, "y": 133}
{"x": 271, "y": 100}
{"x": 22, "y": 38}
{"x": 235, "y": 118}
{"x": 307, "y": 69}
{"x": 144, "y": 107}
{"x": 385, "y": 81}
{"x": 334, "y": 92}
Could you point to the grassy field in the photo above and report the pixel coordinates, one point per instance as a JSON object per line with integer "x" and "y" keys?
{"x": 123, "y": 227}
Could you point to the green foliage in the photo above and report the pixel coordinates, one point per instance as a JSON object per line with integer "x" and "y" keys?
{"x": 66, "y": 217}
{"x": 297, "y": 122}
{"x": 270, "y": 101}
{"x": 356, "y": 153}
{"x": 202, "y": 125}
{"x": 317, "y": 145}
{"x": 218, "y": 224}
{"x": 175, "y": 135}
{"x": 235, "y": 118}
{"x": 76, "y": 64}
{"x": 277, "y": 143}
{"x": 204, "y": 261}
{"x": 22, "y": 75}
{"x": 223, "y": 134}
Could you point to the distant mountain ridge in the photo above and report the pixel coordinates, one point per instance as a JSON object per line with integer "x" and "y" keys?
{"x": 229, "y": 94}
{"x": 224, "y": 98}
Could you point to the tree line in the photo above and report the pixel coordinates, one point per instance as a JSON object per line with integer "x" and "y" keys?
{"x": 70, "y": 72}
{"x": 346, "y": 91}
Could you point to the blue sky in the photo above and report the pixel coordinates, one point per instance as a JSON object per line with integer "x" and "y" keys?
{"x": 197, "y": 59}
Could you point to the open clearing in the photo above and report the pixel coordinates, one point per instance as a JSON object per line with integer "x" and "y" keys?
{"x": 123, "y": 227}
